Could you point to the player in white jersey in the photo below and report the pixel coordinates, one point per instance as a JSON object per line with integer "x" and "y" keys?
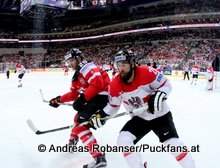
{"x": 209, "y": 77}
{"x": 195, "y": 74}
{"x": 142, "y": 86}
{"x": 21, "y": 71}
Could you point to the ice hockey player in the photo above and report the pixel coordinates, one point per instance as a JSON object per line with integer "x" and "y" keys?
{"x": 209, "y": 77}
{"x": 21, "y": 71}
{"x": 66, "y": 70}
{"x": 89, "y": 91}
{"x": 195, "y": 74}
{"x": 142, "y": 86}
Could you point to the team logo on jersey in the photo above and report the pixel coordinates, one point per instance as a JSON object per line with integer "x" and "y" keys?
{"x": 135, "y": 102}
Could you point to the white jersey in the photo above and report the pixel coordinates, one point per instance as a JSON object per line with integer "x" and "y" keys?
{"x": 195, "y": 70}
{"x": 20, "y": 69}
{"x": 136, "y": 94}
{"x": 209, "y": 73}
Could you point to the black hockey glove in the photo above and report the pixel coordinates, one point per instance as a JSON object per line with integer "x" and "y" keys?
{"x": 210, "y": 80}
{"x": 155, "y": 101}
{"x": 96, "y": 120}
{"x": 54, "y": 102}
{"x": 79, "y": 102}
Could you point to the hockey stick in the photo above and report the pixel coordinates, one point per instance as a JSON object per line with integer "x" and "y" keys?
{"x": 46, "y": 101}
{"x": 38, "y": 132}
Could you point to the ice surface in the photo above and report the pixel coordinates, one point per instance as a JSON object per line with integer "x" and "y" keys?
{"x": 196, "y": 114}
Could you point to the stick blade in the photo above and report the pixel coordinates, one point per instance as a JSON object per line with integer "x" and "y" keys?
{"x": 32, "y": 127}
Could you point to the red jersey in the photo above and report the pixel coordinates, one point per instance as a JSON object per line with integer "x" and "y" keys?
{"x": 136, "y": 94}
{"x": 91, "y": 80}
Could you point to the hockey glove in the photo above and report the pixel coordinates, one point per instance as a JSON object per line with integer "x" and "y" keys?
{"x": 79, "y": 102}
{"x": 96, "y": 120}
{"x": 210, "y": 80}
{"x": 155, "y": 101}
{"x": 54, "y": 102}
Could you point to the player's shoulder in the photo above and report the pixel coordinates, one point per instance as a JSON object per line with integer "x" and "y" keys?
{"x": 142, "y": 67}
{"x": 116, "y": 82}
{"x": 85, "y": 65}
{"x": 148, "y": 74}
{"x": 115, "y": 86}
{"x": 146, "y": 71}
{"x": 88, "y": 67}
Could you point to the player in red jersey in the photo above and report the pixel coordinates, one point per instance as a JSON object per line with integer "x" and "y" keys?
{"x": 142, "y": 86}
{"x": 66, "y": 70}
{"x": 21, "y": 71}
{"x": 89, "y": 93}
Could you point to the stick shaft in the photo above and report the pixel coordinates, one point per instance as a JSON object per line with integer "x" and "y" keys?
{"x": 46, "y": 101}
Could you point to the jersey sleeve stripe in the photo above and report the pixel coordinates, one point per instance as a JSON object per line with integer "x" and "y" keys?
{"x": 93, "y": 76}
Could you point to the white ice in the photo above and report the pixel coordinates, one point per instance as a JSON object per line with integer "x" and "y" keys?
{"x": 196, "y": 114}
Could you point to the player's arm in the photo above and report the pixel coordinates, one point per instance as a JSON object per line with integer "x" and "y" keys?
{"x": 70, "y": 96}
{"x": 96, "y": 85}
{"x": 160, "y": 83}
{"x": 161, "y": 88}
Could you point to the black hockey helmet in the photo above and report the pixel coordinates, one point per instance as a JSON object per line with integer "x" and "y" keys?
{"x": 73, "y": 53}
{"x": 125, "y": 55}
